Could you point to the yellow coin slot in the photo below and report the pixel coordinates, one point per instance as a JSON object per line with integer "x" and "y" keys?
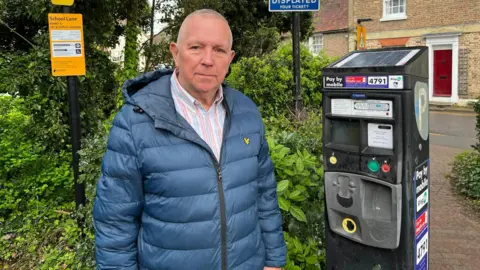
{"x": 349, "y": 225}
{"x": 333, "y": 160}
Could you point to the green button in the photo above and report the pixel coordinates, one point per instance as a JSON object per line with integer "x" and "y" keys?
{"x": 373, "y": 166}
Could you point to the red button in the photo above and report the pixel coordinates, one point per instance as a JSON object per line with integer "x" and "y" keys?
{"x": 385, "y": 168}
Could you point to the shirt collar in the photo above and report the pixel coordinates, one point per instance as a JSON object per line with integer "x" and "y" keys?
{"x": 181, "y": 93}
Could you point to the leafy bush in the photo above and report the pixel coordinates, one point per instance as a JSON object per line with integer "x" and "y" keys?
{"x": 35, "y": 190}
{"x": 476, "y": 107}
{"x": 299, "y": 173}
{"x": 465, "y": 175}
{"x": 28, "y": 75}
{"x": 269, "y": 80}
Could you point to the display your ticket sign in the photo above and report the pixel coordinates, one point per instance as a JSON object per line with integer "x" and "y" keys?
{"x": 62, "y": 2}
{"x": 67, "y": 51}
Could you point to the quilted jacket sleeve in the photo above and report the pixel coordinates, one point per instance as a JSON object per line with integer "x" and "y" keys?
{"x": 119, "y": 200}
{"x": 269, "y": 211}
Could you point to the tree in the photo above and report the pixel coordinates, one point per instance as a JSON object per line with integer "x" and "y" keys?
{"x": 25, "y": 68}
{"x": 103, "y": 20}
{"x": 255, "y": 29}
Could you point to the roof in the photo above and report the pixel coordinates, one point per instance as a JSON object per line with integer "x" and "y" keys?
{"x": 332, "y": 16}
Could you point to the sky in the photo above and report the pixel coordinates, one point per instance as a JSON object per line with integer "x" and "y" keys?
{"x": 157, "y": 26}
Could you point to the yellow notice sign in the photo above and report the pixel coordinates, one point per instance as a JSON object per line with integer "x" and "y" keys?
{"x": 67, "y": 51}
{"x": 62, "y": 2}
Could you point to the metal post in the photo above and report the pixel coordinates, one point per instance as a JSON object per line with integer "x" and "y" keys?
{"x": 75, "y": 132}
{"x": 296, "y": 62}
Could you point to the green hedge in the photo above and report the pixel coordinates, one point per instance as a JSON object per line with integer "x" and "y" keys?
{"x": 465, "y": 174}
{"x": 38, "y": 218}
{"x": 476, "y": 107}
{"x": 269, "y": 80}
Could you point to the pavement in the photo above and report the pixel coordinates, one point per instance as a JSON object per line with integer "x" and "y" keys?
{"x": 455, "y": 230}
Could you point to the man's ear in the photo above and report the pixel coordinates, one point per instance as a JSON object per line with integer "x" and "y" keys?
{"x": 232, "y": 55}
{"x": 174, "y": 51}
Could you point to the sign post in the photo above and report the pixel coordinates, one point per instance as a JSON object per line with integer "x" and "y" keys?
{"x": 295, "y": 6}
{"x": 67, "y": 54}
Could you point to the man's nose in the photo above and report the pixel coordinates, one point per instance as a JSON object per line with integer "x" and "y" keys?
{"x": 207, "y": 59}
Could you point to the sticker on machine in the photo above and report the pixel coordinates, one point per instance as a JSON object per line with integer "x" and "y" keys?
{"x": 421, "y": 177}
{"x": 356, "y": 81}
{"x": 378, "y": 81}
{"x": 333, "y": 81}
{"x": 422, "y": 200}
{"x": 421, "y": 223}
{"x": 395, "y": 82}
{"x": 380, "y": 136}
{"x": 421, "y": 260}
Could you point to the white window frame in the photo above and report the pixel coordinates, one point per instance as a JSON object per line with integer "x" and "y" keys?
{"x": 313, "y": 45}
{"x": 396, "y": 16}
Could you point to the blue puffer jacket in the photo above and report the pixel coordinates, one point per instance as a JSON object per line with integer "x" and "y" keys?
{"x": 165, "y": 202}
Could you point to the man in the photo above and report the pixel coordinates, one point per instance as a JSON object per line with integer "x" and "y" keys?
{"x": 186, "y": 181}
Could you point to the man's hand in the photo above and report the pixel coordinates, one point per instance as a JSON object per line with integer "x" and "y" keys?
{"x": 271, "y": 268}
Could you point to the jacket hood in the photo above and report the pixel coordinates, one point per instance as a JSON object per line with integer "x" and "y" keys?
{"x": 131, "y": 87}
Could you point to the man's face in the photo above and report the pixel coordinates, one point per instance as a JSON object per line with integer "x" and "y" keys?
{"x": 203, "y": 54}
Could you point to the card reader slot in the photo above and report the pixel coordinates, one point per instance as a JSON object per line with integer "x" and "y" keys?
{"x": 377, "y": 151}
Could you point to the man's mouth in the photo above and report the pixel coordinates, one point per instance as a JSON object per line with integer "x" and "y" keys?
{"x": 206, "y": 75}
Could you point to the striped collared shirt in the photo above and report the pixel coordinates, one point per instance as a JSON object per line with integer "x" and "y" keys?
{"x": 208, "y": 124}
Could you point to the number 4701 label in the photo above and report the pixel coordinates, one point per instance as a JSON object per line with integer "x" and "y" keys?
{"x": 377, "y": 80}
{"x": 422, "y": 248}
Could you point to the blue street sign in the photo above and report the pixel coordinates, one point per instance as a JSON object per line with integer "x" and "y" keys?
{"x": 293, "y": 5}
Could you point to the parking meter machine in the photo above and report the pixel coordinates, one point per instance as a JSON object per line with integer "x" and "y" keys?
{"x": 376, "y": 159}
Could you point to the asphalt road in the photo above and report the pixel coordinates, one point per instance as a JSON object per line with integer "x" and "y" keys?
{"x": 452, "y": 129}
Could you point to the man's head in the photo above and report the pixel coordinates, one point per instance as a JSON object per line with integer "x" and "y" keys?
{"x": 203, "y": 51}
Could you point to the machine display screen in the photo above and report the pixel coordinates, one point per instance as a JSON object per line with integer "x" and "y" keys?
{"x": 345, "y": 132}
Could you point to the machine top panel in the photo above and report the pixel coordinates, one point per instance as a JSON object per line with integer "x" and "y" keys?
{"x": 377, "y": 58}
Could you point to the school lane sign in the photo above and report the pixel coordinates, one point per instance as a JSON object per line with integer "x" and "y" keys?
{"x": 67, "y": 50}
{"x": 293, "y": 5}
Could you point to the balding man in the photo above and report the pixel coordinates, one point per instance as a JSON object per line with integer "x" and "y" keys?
{"x": 187, "y": 181}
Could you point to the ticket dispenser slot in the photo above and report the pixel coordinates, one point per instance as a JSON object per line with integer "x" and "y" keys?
{"x": 364, "y": 209}
{"x": 376, "y": 159}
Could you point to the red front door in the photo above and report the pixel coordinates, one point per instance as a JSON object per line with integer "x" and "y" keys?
{"x": 442, "y": 73}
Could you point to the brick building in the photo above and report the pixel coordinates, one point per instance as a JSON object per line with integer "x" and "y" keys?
{"x": 450, "y": 28}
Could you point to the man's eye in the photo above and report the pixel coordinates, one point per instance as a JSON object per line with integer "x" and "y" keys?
{"x": 195, "y": 47}
{"x": 221, "y": 50}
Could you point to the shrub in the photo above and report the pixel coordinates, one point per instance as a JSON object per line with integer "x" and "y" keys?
{"x": 476, "y": 107}
{"x": 28, "y": 75}
{"x": 269, "y": 80}
{"x": 36, "y": 191}
{"x": 465, "y": 175}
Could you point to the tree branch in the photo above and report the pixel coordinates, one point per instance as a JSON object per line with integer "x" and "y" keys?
{"x": 13, "y": 30}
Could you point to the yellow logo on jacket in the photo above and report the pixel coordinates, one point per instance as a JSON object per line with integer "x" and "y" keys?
{"x": 246, "y": 140}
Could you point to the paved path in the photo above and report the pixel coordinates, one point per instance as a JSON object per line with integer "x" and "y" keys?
{"x": 455, "y": 232}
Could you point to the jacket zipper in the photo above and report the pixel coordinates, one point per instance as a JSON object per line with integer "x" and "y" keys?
{"x": 223, "y": 218}
{"x": 221, "y": 194}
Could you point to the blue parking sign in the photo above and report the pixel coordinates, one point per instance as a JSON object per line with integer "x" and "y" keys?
{"x": 293, "y": 5}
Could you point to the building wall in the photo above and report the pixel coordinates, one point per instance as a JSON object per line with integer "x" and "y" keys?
{"x": 469, "y": 63}
{"x": 428, "y": 17}
{"x": 335, "y": 44}
{"x": 420, "y": 14}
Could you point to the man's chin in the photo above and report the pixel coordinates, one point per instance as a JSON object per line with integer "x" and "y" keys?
{"x": 205, "y": 88}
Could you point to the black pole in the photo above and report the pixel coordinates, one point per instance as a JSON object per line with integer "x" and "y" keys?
{"x": 75, "y": 132}
{"x": 296, "y": 62}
